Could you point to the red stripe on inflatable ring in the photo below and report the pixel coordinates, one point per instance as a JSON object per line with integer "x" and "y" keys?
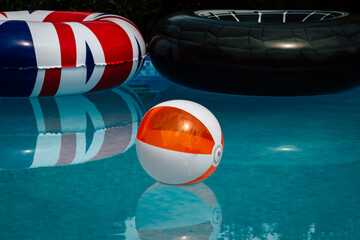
{"x": 67, "y": 16}
{"x": 124, "y": 19}
{"x": 106, "y": 32}
{"x": 51, "y": 82}
{"x": 67, "y": 44}
{"x": 113, "y": 76}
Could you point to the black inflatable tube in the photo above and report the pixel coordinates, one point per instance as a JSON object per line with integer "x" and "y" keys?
{"x": 273, "y": 56}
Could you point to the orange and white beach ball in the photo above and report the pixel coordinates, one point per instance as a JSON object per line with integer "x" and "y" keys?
{"x": 179, "y": 142}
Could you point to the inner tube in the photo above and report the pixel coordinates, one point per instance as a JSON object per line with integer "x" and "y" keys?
{"x": 47, "y": 53}
{"x": 259, "y": 52}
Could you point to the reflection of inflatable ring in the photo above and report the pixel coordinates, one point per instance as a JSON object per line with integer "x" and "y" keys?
{"x": 39, "y": 132}
{"x": 260, "y": 52}
{"x": 186, "y": 212}
{"x": 57, "y": 53}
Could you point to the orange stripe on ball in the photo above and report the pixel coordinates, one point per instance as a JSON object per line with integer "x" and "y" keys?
{"x": 202, "y": 177}
{"x": 175, "y": 129}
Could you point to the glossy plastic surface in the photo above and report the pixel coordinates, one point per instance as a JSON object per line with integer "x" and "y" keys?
{"x": 259, "y": 58}
{"x": 179, "y": 142}
{"x": 48, "y": 53}
{"x": 175, "y": 129}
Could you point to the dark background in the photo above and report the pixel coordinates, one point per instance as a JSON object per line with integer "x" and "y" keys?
{"x": 146, "y": 13}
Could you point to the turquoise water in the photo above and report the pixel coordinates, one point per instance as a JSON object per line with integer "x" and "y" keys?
{"x": 290, "y": 168}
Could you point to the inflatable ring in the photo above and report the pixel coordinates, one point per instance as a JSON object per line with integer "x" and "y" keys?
{"x": 47, "y": 53}
{"x": 259, "y": 52}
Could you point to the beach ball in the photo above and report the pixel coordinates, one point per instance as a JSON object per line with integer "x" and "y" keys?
{"x": 179, "y": 142}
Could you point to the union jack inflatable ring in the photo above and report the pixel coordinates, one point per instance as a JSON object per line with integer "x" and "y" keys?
{"x": 48, "y": 53}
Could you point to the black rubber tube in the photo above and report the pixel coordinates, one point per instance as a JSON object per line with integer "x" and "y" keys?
{"x": 280, "y": 53}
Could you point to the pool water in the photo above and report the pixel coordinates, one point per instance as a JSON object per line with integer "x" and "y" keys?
{"x": 290, "y": 168}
